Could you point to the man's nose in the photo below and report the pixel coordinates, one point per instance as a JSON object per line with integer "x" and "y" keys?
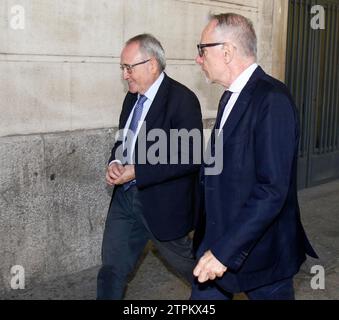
{"x": 125, "y": 74}
{"x": 199, "y": 60}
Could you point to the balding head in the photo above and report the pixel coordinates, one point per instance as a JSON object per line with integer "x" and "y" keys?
{"x": 239, "y": 30}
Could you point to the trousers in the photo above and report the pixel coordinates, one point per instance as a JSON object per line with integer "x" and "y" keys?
{"x": 125, "y": 237}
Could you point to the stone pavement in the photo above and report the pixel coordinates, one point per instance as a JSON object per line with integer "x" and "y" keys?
{"x": 152, "y": 280}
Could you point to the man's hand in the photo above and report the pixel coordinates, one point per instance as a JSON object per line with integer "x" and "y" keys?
{"x": 127, "y": 175}
{"x": 208, "y": 268}
{"x": 114, "y": 172}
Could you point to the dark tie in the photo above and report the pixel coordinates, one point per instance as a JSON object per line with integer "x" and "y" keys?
{"x": 133, "y": 127}
{"x": 222, "y": 104}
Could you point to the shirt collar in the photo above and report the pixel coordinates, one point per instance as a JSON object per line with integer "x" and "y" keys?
{"x": 153, "y": 89}
{"x": 242, "y": 79}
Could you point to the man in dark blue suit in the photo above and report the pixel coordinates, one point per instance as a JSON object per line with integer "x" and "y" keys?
{"x": 152, "y": 200}
{"x": 253, "y": 239}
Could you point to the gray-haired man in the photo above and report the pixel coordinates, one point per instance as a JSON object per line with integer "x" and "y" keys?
{"x": 157, "y": 202}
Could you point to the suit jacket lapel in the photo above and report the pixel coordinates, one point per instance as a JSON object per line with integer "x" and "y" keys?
{"x": 242, "y": 103}
{"x": 129, "y": 103}
{"x": 157, "y": 106}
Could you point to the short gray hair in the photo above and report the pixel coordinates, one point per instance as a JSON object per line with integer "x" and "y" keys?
{"x": 149, "y": 45}
{"x": 240, "y": 29}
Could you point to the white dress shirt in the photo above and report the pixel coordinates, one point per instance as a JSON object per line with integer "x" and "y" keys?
{"x": 236, "y": 88}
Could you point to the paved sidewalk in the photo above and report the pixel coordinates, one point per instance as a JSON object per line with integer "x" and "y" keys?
{"x": 320, "y": 215}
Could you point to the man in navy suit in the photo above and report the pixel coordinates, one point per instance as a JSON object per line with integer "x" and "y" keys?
{"x": 151, "y": 201}
{"x": 254, "y": 241}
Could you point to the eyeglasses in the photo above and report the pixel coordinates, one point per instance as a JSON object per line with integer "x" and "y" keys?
{"x": 129, "y": 67}
{"x": 201, "y": 46}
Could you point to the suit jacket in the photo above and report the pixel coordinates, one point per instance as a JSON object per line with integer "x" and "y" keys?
{"x": 168, "y": 192}
{"x": 252, "y": 214}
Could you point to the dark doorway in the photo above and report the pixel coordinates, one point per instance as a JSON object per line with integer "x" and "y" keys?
{"x": 312, "y": 75}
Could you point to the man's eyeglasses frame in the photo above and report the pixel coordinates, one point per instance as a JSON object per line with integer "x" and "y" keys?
{"x": 129, "y": 67}
{"x": 201, "y": 46}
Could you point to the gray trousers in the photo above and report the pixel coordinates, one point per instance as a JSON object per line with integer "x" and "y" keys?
{"x": 126, "y": 235}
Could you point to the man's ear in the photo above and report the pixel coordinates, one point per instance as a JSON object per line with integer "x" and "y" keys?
{"x": 228, "y": 52}
{"x": 154, "y": 65}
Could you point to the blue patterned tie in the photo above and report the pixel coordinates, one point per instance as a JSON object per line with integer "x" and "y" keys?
{"x": 133, "y": 127}
{"x": 137, "y": 113}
